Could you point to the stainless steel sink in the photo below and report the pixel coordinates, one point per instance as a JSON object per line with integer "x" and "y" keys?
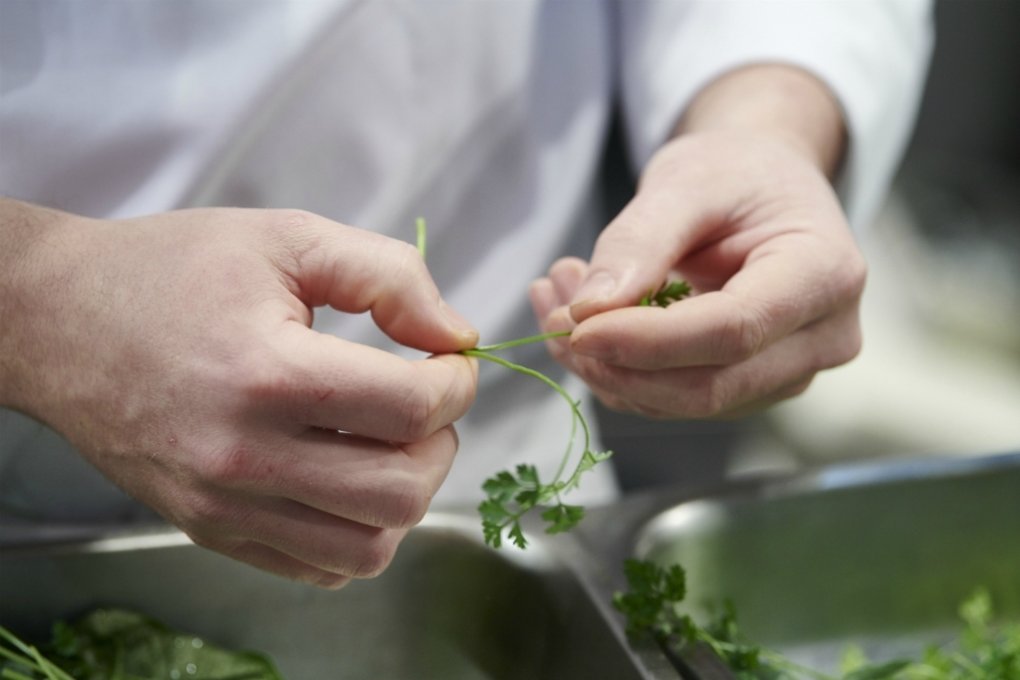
{"x": 447, "y": 608}
{"x": 880, "y": 556}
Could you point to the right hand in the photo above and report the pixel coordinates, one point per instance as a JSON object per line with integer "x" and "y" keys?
{"x": 175, "y": 353}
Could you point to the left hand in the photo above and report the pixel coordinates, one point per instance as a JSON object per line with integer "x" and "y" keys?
{"x": 757, "y": 230}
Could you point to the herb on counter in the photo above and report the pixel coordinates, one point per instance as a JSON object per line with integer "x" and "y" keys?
{"x": 984, "y": 651}
{"x": 116, "y": 644}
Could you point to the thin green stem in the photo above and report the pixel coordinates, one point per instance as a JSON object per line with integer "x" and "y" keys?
{"x": 575, "y": 410}
{"x": 420, "y": 228}
{"x": 9, "y": 674}
{"x": 576, "y": 417}
{"x": 542, "y": 337}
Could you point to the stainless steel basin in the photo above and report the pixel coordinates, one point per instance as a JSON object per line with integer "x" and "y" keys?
{"x": 448, "y": 607}
{"x": 880, "y": 556}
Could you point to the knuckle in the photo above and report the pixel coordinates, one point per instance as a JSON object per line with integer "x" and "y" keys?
{"x": 854, "y": 276}
{"x": 204, "y": 540}
{"x": 290, "y": 218}
{"x": 418, "y": 411}
{"x": 261, "y": 376}
{"x": 235, "y": 466}
{"x": 404, "y": 261}
{"x": 330, "y": 581}
{"x": 709, "y": 397}
{"x": 742, "y": 337}
{"x": 407, "y": 504}
{"x": 845, "y": 347}
{"x": 796, "y": 389}
{"x": 204, "y": 518}
{"x": 375, "y": 555}
{"x": 612, "y": 401}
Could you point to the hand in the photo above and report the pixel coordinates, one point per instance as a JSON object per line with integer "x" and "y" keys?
{"x": 175, "y": 353}
{"x": 754, "y": 226}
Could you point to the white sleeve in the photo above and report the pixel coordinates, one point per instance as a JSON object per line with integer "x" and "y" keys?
{"x": 872, "y": 54}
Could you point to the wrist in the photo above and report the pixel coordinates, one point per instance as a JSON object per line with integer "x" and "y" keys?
{"x": 27, "y": 235}
{"x": 783, "y": 103}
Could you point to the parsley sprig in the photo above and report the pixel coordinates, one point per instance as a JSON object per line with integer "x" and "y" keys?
{"x": 511, "y": 495}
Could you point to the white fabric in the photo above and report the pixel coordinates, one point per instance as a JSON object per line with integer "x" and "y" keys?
{"x": 485, "y": 117}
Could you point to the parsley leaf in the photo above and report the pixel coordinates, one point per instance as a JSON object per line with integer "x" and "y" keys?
{"x": 651, "y": 606}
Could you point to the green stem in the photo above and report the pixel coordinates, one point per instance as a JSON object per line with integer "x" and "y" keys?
{"x": 521, "y": 341}
{"x": 9, "y": 674}
{"x": 420, "y": 227}
{"x": 485, "y": 354}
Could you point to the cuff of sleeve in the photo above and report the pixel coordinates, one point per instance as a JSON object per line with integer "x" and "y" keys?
{"x": 872, "y": 54}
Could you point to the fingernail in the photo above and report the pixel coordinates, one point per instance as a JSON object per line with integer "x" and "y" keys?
{"x": 461, "y": 325}
{"x": 599, "y": 286}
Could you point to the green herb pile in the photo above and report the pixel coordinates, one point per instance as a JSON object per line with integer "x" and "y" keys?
{"x": 983, "y": 650}
{"x": 115, "y": 644}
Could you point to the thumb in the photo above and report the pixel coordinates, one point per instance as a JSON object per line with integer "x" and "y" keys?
{"x": 633, "y": 255}
{"x": 353, "y": 270}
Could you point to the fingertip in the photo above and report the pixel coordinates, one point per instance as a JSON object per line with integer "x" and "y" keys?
{"x": 595, "y": 294}
{"x": 567, "y": 275}
{"x": 543, "y": 297}
{"x": 596, "y": 346}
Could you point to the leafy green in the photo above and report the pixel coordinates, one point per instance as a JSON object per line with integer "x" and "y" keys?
{"x": 984, "y": 651}
{"x": 668, "y": 293}
{"x": 21, "y": 661}
{"x": 116, "y": 644}
{"x": 511, "y": 495}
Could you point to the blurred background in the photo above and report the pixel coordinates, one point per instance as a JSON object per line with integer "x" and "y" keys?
{"x": 940, "y": 369}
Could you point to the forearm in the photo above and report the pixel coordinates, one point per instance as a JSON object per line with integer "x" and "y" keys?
{"x": 782, "y": 102}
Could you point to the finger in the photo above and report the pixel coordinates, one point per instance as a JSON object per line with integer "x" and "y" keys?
{"x": 282, "y": 564}
{"x": 796, "y": 387}
{"x": 709, "y": 391}
{"x": 326, "y": 542}
{"x": 559, "y": 321}
{"x": 326, "y": 381}
{"x": 567, "y": 274}
{"x": 318, "y": 540}
{"x": 356, "y": 271}
{"x": 775, "y": 294}
{"x": 370, "y": 482}
{"x": 378, "y": 484}
{"x": 556, "y": 289}
{"x": 543, "y": 298}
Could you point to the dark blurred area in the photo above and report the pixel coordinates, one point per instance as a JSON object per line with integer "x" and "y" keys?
{"x": 941, "y": 370}
{"x": 971, "y": 105}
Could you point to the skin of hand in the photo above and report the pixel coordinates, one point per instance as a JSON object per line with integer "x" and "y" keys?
{"x": 740, "y": 205}
{"x": 175, "y": 352}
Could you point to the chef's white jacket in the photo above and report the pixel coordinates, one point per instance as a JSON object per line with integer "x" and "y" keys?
{"x": 487, "y": 117}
